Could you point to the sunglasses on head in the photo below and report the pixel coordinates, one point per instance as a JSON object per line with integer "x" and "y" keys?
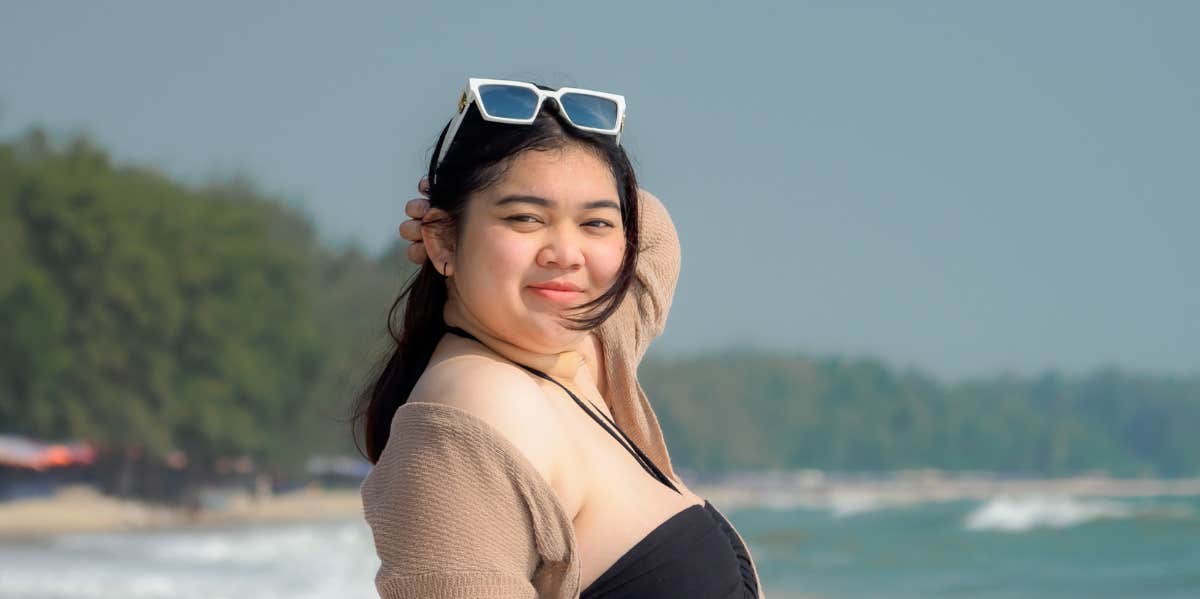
{"x": 518, "y": 103}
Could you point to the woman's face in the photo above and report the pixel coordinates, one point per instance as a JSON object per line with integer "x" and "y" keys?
{"x": 553, "y": 219}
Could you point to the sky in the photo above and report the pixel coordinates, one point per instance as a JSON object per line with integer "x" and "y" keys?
{"x": 963, "y": 188}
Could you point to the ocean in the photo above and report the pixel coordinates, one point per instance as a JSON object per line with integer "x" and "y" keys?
{"x": 1004, "y": 547}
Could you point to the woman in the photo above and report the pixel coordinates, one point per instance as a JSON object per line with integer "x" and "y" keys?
{"x": 515, "y": 453}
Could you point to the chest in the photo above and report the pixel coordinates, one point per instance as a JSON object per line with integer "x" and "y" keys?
{"x": 613, "y": 501}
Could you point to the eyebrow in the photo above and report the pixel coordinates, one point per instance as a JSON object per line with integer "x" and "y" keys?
{"x": 543, "y": 202}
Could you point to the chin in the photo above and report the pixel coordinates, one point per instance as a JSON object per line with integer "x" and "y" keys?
{"x": 550, "y": 332}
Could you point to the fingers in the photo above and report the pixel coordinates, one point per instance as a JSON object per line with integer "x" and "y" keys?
{"x": 410, "y": 230}
{"x": 416, "y": 253}
{"x": 416, "y": 208}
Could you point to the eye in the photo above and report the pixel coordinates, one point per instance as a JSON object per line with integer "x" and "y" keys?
{"x": 523, "y": 218}
{"x": 601, "y": 224}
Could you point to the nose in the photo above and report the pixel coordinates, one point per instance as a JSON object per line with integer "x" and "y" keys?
{"x": 562, "y": 249}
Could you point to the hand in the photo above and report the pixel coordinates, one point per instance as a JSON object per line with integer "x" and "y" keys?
{"x": 410, "y": 229}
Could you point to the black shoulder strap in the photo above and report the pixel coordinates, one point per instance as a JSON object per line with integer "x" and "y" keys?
{"x": 629, "y": 446}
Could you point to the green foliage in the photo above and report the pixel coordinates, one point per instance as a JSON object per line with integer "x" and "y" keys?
{"x": 138, "y": 312}
{"x": 755, "y": 410}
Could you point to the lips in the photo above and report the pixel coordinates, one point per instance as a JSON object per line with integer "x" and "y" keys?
{"x": 557, "y": 291}
{"x": 557, "y": 286}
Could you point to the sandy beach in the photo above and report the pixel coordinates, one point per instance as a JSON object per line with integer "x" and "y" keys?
{"x": 81, "y": 509}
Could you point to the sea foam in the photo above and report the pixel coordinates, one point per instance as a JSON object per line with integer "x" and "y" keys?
{"x": 1019, "y": 514}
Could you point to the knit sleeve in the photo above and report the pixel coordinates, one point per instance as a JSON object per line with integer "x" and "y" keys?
{"x": 642, "y": 316}
{"x": 449, "y": 512}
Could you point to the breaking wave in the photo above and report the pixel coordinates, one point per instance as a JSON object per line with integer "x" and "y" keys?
{"x": 1020, "y": 514}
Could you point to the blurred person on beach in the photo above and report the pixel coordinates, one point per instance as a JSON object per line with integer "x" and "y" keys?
{"x": 545, "y": 272}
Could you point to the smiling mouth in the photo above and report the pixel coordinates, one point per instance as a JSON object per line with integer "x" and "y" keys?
{"x": 557, "y": 295}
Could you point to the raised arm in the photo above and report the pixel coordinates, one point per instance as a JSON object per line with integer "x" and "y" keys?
{"x": 643, "y": 314}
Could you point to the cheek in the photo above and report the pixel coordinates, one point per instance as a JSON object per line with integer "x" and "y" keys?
{"x": 606, "y": 262}
{"x": 499, "y": 262}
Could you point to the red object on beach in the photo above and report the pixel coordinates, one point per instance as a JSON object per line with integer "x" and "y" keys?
{"x": 22, "y": 452}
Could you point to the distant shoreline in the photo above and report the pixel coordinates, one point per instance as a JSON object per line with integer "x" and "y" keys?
{"x": 817, "y": 489}
{"x": 81, "y": 509}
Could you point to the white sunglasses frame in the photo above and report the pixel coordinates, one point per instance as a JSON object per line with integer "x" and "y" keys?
{"x": 471, "y": 94}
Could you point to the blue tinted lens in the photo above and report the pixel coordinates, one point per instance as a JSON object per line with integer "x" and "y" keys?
{"x": 508, "y": 101}
{"x": 590, "y": 111}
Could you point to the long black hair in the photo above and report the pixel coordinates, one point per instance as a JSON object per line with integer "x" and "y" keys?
{"x": 478, "y": 157}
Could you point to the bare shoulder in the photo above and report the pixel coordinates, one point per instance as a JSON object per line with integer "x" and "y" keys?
{"x": 500, "y": 394}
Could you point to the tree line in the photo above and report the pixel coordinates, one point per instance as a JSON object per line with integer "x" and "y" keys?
{"x": 156, "y": 318}
{"x": 750, "y": 409}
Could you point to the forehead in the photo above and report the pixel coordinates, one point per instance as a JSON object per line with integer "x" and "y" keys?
{"x": 570, "y": 175}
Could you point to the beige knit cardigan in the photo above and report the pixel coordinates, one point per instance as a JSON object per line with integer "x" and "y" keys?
{"x": 458, "y": 511}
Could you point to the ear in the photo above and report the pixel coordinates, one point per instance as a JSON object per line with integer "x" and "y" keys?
{"x": 438, "y": 237}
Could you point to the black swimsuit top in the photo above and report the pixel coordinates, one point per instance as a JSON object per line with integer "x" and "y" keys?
{"x": 694, "y": 554}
